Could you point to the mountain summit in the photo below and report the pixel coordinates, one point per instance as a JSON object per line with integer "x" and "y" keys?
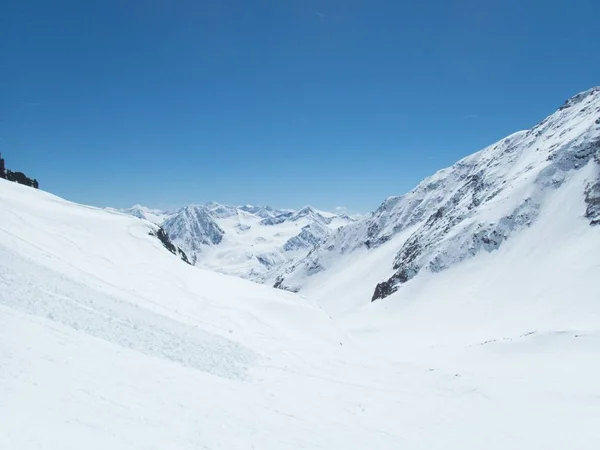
{"x": 474, "y": 206}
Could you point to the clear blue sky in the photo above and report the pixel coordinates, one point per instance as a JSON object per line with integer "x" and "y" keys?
{"x": 280, "y": 102}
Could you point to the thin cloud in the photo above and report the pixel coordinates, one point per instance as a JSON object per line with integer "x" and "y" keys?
{"x": 31, "y": 103}
{"x": 320, "y": 14}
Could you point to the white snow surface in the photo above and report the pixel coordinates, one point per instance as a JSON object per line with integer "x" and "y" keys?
{"x": 156, "y": 216}
{"x": 107, "y": 340}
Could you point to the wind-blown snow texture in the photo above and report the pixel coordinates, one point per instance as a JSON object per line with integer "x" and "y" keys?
{"x": 475, "y": 205}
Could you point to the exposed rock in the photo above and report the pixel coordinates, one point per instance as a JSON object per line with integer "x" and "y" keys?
{"x": 592, "y": 197}
{"x": 270, "y": 221}
{"x": 166, "y": 242}
{"x": 311, "y": 235}
{"x": 21, "y": 178}
{"x": 193, "y": 228}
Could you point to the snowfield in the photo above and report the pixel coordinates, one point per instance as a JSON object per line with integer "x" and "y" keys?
{"x": 109, "y": 341}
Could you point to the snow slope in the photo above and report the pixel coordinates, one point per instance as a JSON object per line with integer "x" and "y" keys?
{"x": 474, "y": 207}
{"x": 107, "y": 340}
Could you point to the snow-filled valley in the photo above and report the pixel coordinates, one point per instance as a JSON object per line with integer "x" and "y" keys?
{"x": 488, "y": 334}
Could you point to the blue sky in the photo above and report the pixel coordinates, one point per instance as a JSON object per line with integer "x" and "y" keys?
{"x": 280, "y": 102}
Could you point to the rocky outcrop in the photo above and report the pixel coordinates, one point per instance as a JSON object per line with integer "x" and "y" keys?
{"x": 166, "y": 242}
{"x": 592, "y": 199}
{"x": 21, "y": 178}
{"x": 592, "y": 196}
{"x": 17, "y": 177}
{"x": 192, "y": 228}
{"x": 310, "y": 236}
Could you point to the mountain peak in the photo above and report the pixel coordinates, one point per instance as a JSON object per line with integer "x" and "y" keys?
{"x": 477, "y": 204}
{"x": 580, "y": 97}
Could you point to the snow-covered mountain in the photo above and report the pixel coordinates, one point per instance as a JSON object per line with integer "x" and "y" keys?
{"x": 247, "y": 241}
{"x": 107, "y": 340}
{"x": 193, "y": 228}
{"x": 264, "y": 211}
{"x": 473, "y": 207}
{"x": 489, "y": 338}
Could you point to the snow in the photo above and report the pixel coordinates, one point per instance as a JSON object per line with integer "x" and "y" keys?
{"x": 348, "y": 283}
{"x": 155, "y": 216}
{"x": 475, "y": 206}
{"x": 542, "y": 279}
{"x": 250, "y": 242}
{"x": 107, "y": 340}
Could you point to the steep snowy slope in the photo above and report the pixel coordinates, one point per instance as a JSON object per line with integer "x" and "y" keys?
{"x": 248, "y": 241}
{"x": 109, "y": 341}
{"x": 463, "y": 211}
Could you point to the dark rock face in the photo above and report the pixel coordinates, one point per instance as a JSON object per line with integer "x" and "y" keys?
{"x": 592, "y": 197}
{"x": 279, "y": 285}
{"x": 166, "y": 242}
{"x": 384, "y": 289}
{"x": 311, "y": 235}
{"x": 21, "y": 178}
{"x": 17, "y": 177}
{"x": 193, "y": 228}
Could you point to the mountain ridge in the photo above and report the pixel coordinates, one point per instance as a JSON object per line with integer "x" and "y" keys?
{"x": 473, "y": 205}
{"x": 249, "y": 241}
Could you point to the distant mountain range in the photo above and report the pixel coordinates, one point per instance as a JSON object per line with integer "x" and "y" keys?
{"x": 248, "y": 241}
